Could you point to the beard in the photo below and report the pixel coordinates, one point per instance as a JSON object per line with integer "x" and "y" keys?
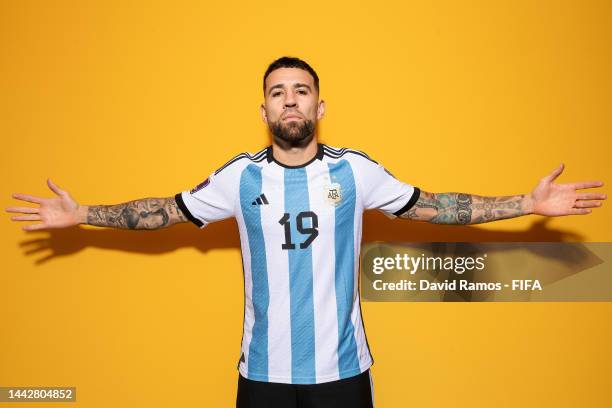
{"x": 293, "y": 133}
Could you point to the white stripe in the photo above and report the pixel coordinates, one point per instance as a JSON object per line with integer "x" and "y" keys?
{"x": 363, "y": 354}
{"x": 249, "y": 313}
{"x": 334, "y": 153}
{"x": 277, "y": 259}
{"x": 323, "y": 279}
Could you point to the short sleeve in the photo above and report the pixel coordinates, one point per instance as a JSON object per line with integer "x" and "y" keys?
{"x": 211, "y": 200}
{"x": 381, "y": 190}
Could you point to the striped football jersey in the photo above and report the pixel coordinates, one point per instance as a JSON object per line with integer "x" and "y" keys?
{"x": 300, "y": 235}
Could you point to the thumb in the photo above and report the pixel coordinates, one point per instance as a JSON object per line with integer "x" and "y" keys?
{"x": 55, "y": 188}
{"x": 554, "y": 174}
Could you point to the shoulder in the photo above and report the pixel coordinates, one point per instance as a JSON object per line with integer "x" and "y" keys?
{"x": 225, "y": 177}
{"x": 241, "y": 160}
{"x": 355, "y": 157}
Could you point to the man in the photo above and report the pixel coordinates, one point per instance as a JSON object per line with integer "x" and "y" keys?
{"x": 299, "y": 208}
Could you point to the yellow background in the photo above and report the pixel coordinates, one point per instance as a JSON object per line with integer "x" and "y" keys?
{"x": 123, "y": 100}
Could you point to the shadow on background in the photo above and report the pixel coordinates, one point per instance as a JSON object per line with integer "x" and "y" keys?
{"x": 377, "y": 227}
{"x": 224, "y": 234}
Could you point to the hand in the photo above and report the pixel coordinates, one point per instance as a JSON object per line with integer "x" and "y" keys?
{"x": 563, "y": 199}
{"x": 58, "y": 212}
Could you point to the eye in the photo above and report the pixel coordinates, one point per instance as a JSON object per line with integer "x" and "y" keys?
{"x": 275, "y": 93}
{"x": 302, "y": 91}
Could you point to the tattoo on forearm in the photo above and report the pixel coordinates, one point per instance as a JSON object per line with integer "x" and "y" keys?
{"x": 460, "y": 208}
{"x": 148, "y": 213}
{"x": 464, "y": 209}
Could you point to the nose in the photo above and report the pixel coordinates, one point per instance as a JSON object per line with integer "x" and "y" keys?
{"x": 290, "y": 101}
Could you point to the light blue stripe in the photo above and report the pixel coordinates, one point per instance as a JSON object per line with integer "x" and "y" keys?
{"x": 341, "y": 173}
{"x": 300, "y": 281}
{"x": 250, "y": 188}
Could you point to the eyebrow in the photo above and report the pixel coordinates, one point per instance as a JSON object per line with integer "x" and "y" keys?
{"x": 297, "y": 85}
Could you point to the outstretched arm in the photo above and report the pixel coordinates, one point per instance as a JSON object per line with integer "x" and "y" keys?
{"x": 147, "y": 213}
{"x": 63, "y": 211}
{"x": 547, "y": 199}
{"x": 461, "y": 208}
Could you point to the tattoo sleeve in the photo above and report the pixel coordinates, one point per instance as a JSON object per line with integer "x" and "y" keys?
{"x": 147, "y": 213}
{"x": 460, "y": 208}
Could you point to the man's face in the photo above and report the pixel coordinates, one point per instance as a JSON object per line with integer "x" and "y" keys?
{"x": 291, "y": 107}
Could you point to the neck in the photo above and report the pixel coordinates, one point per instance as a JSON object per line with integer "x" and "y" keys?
{"x": 295, "y": 156}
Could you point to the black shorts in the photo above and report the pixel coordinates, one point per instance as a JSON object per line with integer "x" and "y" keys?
{"x": 354, "y": 392}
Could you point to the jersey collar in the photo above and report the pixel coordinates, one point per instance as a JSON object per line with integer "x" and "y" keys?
{"x": 318, "y": 156}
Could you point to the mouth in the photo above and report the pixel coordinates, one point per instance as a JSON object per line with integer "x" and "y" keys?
{"x": 291, "y": 117}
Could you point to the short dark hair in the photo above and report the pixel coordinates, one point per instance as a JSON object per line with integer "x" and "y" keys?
{"x": 291, "y": 62}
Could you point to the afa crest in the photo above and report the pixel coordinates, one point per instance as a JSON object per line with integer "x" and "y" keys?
{"x": 333, "y": 194}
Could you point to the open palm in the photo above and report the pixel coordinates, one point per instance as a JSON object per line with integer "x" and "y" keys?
{"x": 56, "y": 212}
{"x": 563, "y": 199}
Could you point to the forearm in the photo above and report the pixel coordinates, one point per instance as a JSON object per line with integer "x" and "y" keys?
{"x": 146, "y": 213}
{"x": 462, "y": 209}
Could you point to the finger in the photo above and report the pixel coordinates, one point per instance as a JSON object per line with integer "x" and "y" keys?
{"x": 31, "y": 217}
{"x": 55, "y": 188}
{"x": 555, "y": 173}
{"x": 586, "y": 184}
{"x": 591, "y": 196}
{"x": 34, "y": 227}
{"x": 587, "y": 204}
{"x": 26, "y": 210}
{"x": 28, "y": 198}
{"x": 579, "y": 211}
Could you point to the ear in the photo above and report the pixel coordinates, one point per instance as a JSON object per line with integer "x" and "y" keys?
{"x": 264, "y": 115}
{"x": 321, "y": 109}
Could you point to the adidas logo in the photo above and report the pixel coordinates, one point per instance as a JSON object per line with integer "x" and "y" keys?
{"x": 261, "y": 200}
